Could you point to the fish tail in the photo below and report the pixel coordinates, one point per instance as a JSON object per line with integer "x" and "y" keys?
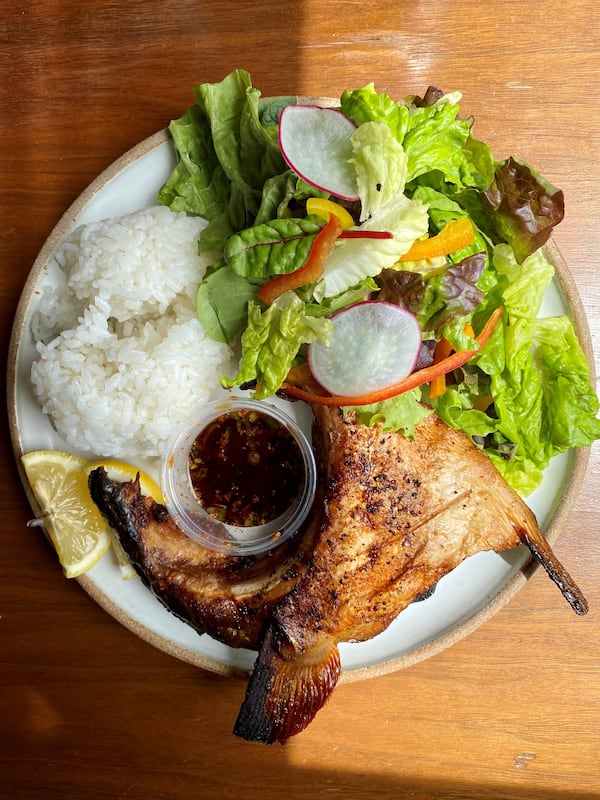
{"x": 284, "y": 695}
{"x": 540, "y": 548}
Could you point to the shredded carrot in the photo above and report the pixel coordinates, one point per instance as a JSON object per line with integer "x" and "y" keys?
{"x": 413, "y": 380}
{"x": 443, "y": 349}
{"x": 437, "y": 387}
{"x": 458, "y": 233}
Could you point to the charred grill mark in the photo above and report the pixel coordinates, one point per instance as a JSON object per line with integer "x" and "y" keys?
{"x": 373, "y": 554}
{"x": 379, "y": 490}
{"x": 160, "y": 513}
{"x": 373, "y": 506}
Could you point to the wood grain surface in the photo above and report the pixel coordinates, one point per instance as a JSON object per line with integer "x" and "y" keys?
{"x": 89, "y": 710}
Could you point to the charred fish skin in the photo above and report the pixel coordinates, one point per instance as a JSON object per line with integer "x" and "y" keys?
{"x": 230, "y": 598}
{"x": 267, "y": 716}
{"x": 126, "y": 511}
{"x": 399, "y": 515}
{"x": 543, "y": 553}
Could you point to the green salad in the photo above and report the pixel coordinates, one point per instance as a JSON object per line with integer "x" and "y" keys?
{"x": 523, "y": 397}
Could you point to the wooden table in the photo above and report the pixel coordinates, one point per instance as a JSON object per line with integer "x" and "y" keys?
{"x": 89, "y": 710}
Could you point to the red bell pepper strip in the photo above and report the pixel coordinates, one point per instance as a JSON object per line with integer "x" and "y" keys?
{"x": 417, "y": 378}
{"x": 312, "y": 270}
{"x": 358, "y": 233}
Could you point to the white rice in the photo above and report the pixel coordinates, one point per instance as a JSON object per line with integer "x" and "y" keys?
{"x": 122, "y": 357}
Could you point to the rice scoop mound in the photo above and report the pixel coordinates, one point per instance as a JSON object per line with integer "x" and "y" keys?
{"x": 122, "y": 358}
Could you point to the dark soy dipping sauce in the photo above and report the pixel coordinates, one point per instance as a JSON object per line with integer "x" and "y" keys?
{"x": 246, "y": 468}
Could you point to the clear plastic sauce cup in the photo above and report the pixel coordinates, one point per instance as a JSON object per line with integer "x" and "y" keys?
{"x": 254, "y": 474}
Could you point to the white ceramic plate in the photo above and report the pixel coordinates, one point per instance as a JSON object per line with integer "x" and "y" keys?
{"x": 463, "y": 599}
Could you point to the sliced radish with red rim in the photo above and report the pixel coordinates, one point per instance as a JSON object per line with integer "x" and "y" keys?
{"x": 374, "y": 344}
{"x": 315, "y": 143}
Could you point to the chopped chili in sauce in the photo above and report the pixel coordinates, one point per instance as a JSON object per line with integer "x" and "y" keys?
{"x": 246, "y": 468}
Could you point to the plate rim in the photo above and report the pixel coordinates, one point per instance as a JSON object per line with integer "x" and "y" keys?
{"x": 580, "y": 458}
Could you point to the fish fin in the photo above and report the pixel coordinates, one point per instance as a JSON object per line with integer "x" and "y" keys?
{"x": 284, "y": 695}
{"x": 540, "y": 548}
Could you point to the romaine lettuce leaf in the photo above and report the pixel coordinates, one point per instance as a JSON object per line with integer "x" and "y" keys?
{"x": 542, "y": 394}
{"x": 245, "y": 149}
{"x": 437, "y": 139}
{"x": 538, "y": 379}
{"x": 400, "y": 413}
{"x": 526, "y": 283}
{"x": 367, "y": 105}
{"x": 381, "y": 165}
{"x": 353, "y": 260}
{"x": 198, "y": 183}
{"x": 225, "y": 154}
{"x": 569, "y": 399}
{"x": 432, "y": 134}
{"x": 272, "y": 340}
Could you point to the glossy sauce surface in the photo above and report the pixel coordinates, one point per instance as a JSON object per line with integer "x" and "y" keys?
{"x": 246, "y": 468}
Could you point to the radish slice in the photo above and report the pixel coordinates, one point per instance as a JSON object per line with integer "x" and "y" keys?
{"x": 374, "y": 344}
{"x": 315, "y": 143}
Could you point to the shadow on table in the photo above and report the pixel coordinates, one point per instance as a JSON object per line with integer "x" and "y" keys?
{"x": 298, "y": 784}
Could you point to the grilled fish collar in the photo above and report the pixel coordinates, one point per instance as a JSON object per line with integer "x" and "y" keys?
{"x": 393, "y": 516}
{"x": 228, "y": 597}
{"x": 399, "y": 514}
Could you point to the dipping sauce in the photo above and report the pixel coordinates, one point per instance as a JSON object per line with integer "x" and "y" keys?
{"x": 244, "y": 461}
{"x": 246, "y": 468}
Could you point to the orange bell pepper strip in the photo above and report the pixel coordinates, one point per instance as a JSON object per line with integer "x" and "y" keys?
{"x": 302, "y": 378}
{"x": 312, "y": 270}
{"x": 437, "y": 387}
{"x": 454, "y": 236}
{"x": 417, "y": 378}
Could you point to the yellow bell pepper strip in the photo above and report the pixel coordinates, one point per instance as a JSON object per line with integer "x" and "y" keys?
{"x": 443, "y": 348}
{"x": 325, "y": 208}
{"x": 454, "y": 236}
{"x": 417, "y": 378}
{"x": 312, "y": 270}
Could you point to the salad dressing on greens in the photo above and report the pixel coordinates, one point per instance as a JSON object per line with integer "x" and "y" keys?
{"x": 420, "y": 173}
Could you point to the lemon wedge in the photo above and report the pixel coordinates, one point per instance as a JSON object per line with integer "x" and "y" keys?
{"x": 74, "y": 524}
